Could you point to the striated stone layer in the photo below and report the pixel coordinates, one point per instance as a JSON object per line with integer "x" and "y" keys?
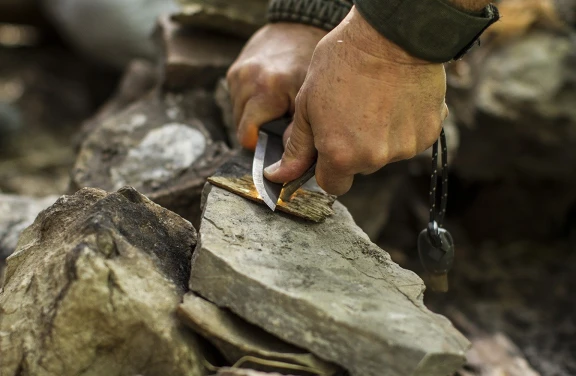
{"x": 323, "y": 287}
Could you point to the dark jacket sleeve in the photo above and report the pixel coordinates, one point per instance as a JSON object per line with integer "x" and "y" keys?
{"x": 325, "y": 14}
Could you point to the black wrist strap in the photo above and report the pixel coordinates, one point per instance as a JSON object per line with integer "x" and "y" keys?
{"x": 431, "y": 30}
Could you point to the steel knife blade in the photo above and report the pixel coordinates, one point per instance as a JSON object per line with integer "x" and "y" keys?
{"x": 269, "y": 150}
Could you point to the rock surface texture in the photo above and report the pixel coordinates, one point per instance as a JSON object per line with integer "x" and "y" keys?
{"x": 324, "y": 287}
{"x": 246, "y": 345}
{"x": 93, "y": 287}
{"x": 164, "y": 145}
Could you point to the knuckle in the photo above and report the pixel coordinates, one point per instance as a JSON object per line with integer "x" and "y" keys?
{"x": 340, "y": 160}
{"x": 231, "y": 74}
{"x": 408, "y": 149}
{"x": 377, "y": 158}
{"x": 445, "y": 112}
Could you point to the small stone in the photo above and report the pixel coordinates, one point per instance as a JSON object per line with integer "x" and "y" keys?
{"x": 246, "y": 345}
{"x": 323, "y": 287}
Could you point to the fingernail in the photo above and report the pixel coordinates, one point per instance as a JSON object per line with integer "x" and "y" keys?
{"x": 272, "y": 168}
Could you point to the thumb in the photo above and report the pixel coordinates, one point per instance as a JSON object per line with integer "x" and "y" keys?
{"x": 299, "y": 153}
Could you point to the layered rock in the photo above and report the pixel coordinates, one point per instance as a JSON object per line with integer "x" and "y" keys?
{"x": 324, "y": 287}
{"x": 93, "y": 287}
{"x": 248, "y": 346}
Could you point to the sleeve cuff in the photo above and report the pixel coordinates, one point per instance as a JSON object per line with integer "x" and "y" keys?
{"x": 325, "y": 14}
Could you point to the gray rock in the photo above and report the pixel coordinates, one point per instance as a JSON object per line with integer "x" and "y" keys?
{"x": 524, "y": 105}
{"x": 233, "y": 17}
{"x": 17, "y": 213}
{"x": 324, "y": 287}
{"x": 246, "y": 345}
{"x": 93, "y": 287}
{"x": 164, "y": 145}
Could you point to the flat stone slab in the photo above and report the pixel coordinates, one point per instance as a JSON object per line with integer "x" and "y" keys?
{"x": 323, "y": 287}
{"x": 248, "y": 346}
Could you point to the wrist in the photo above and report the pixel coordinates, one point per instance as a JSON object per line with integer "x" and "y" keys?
{"x": 470, "y": 5}
{"x": 370, "y": 41}
{"x": 295, "y": 27}
{"x": 432, "y": 30}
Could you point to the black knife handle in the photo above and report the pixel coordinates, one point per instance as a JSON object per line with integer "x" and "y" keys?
{"x": 277, "y": 127}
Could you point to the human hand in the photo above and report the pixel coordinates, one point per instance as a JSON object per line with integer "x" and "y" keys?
{"x": 266, "y": 77}
{"x": 365, "y": 103}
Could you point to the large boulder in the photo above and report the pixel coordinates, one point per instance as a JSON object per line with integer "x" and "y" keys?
{"x": 93, "y": 287}
{"x": 323, "y": 287}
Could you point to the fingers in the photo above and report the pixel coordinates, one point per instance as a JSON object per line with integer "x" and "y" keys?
{"x": 299, "y": 153}
{"x": 331, "y": 178}
{"x": 257, "y": 111}
{"x": 287, "y": 134}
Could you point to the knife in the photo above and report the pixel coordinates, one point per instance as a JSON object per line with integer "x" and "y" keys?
{"x": 269, "y": 150}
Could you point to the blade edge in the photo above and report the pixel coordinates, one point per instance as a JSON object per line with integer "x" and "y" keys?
{"x": 258, "y": 170}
